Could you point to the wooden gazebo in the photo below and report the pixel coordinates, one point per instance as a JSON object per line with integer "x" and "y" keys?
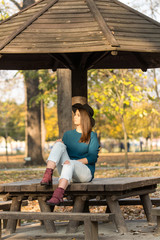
{"x": 79, "y": 35}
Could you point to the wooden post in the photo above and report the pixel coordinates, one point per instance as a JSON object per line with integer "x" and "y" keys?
{"x": 79, "y": 86}
{"x": 64, "y": 101}
{"x": 11, "y": 223}
{"x": 147, "y": 206}
{"x": 119, "y": 220}
{"x": 91, "y": 229}
{"x": 49, "y": 225}
{"x": 158, "y": 225}
{"x": 0, "y": 228}
{"x": 77, "y": 207}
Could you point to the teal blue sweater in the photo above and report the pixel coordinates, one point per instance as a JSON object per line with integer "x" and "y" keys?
{"x": 77, "y": 150}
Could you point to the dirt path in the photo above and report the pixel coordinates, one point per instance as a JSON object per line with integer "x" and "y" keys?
{"x": 138, "y": 230}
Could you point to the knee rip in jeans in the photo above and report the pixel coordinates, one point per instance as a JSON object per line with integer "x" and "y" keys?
{"x": 67, "y": 162}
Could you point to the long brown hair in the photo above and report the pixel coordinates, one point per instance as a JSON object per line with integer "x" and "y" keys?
{"x": 86, "y": 126}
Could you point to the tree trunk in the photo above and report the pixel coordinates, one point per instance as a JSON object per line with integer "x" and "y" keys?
{"x": 35, "y": 137}
{"x": 43, "y": 129}
{"x": 64, "y": 101}
{"x": 6, "y": 146}
{"x": 33, "y": 131}
{"x": 151, "y": 143}
{"x": 125, "y": 142}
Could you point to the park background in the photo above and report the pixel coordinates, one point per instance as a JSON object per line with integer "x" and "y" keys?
{"x": 126, "y": 104}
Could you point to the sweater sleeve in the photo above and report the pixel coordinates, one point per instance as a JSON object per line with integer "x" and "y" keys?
{"x": 93, "y": 149}
{"x": 64, "y": 138}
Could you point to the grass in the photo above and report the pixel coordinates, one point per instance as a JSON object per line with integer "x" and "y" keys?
{"x": 108, "y": 165}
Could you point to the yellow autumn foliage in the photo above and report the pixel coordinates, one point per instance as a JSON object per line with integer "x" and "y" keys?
{"x": 51, "y": 123}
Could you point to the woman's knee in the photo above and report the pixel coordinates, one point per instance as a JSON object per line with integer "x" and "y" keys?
{"x": 60, "y": 144}
{"x": 68, "y": 165}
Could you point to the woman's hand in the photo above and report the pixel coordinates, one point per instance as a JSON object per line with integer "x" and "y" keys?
{"x": 59, "y": 140}
{"x": 83, "y": 160}
{"x": 67, "y": 162}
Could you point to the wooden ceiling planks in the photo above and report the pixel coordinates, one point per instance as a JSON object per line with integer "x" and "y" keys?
{"x": 75, "y": 26}
{"x": 66, "y": 13}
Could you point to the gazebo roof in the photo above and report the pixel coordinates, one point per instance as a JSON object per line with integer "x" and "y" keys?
{"x": 53, "y": 33}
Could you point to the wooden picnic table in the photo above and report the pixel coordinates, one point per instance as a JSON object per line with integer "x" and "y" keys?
{"x": 109, "y": 189}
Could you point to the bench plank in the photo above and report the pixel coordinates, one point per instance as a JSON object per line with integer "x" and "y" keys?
{"x": 122, "y": 202}
{"x": 156, "y": 211}
{"x": 56, "y": 216}
{"x": 91, "y": 228}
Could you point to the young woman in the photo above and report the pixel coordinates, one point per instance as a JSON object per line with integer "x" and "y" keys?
{"x": 75, "y": 155}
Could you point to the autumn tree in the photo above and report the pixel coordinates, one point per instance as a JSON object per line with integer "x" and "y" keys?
{"x": 113, "y": 92}
{"x": 12, "y": 118}
{"x": 35, "y": 114}
{"x": 51, "y": 122}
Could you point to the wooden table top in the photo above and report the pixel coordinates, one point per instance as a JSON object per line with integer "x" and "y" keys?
{"x": 98, "y": 184}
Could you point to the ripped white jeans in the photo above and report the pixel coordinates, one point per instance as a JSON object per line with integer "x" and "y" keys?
{"x": 75, "y": 170}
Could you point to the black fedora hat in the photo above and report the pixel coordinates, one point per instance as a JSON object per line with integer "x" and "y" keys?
{"x": 88, "y": 109}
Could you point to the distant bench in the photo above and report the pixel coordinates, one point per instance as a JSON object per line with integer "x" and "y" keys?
{"x": 90, "y": 219}
{"x": 122, "y": 202}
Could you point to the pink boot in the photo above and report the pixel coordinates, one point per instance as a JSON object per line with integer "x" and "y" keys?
{"x": 57, "y": 197}
{"x": 47, "y": 178}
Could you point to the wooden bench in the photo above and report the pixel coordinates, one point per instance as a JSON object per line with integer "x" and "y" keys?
{"x": 5, "y": 206}
{"x": 112, "y": 192}
{"x": 156, "y": 212}
{"x": 122, "y": 202}
{"x": 90, "y": 219}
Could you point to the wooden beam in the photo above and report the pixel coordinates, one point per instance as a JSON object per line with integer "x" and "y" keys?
{"x": 105, "y": 29}
{"x": 96, "y": 59}
{"x": 60, "y": 59}
{"x": 84, "y": 58}
{"x": 143, "y": 64}
{"x": 26, "y": 24}
{"x": 68, "y": 60}
{"x": 79, "y": 83}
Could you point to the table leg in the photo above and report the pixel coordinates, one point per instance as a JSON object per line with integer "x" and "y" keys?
{"x": 147, "y": 206}
{"x": 12, "y": 223}
{"x": 91, "y": 229}
{"x": 78, "y": 206}
{"x": 49, "y": 225}
{"x": 158, "y": 225}
{"x": 108, "y": 209}
{"x": 119, "y": 219}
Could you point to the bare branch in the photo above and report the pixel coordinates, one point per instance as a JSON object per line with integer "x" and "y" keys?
{"x": 16, "y": 4}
